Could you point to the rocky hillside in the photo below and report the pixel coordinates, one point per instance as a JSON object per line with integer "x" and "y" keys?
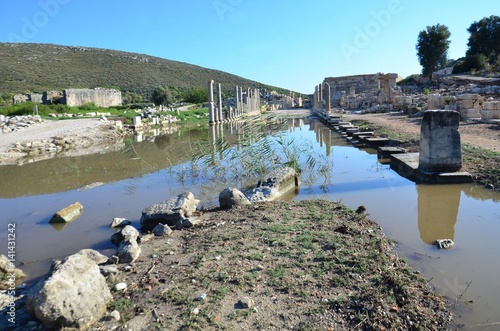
{"x": 41, "y": 67}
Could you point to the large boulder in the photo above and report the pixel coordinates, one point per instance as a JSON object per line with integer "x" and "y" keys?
{"x": 276, "y": 184}
{"x": 169, "y": 212}
{"x": 230, "y": 197}
{"x": 9, "y": 274}
{"x": 74, "y": 293}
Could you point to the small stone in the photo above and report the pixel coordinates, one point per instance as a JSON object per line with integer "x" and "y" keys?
{"x": 119, "y": 222}
{"x": 115, "y": 315}
{"x": 444, "y": 243}
{"x": 201, "y": 297}
{"x": 111, "y": 279}
{"x": 218, "y": 258}
{"x": 120, "y": 286}
{"x": 129, "y": 233}
{"x": 246, "y": 302}
{"x": 108, "y": 269}
{"x": 195, "y": 311}
{"x": 161, "y": 230}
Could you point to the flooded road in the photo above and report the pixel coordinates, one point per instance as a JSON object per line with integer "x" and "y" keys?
{"x": 160, "y": 167}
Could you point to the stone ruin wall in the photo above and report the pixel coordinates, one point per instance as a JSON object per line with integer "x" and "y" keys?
{"x": 100, "y": 97}
{"x": 356, "y": 92}
{"x": 360, "y": 84}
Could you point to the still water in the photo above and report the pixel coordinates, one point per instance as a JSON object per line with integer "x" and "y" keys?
{"x": 155, "y": 168}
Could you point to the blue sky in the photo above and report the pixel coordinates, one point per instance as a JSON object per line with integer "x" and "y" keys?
{"x": 291, "y": 44}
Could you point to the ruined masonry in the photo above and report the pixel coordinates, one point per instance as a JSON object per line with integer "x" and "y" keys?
{"x": 440, "y": 148}
{"x": 101, "y": 97}
{"x": 355, "y": 92}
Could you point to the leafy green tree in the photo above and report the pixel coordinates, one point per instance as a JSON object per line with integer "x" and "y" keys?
{"x": 196, "y": 95}
{"x": 485, "y": 38}
{"x": 432, "y": 48}
{"x": 162, "y": 96}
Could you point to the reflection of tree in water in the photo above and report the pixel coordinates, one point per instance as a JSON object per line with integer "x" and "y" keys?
{"x": 437, "y": 211}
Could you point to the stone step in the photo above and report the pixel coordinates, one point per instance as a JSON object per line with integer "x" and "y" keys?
{"x": 385, "y": 152}
{"x": 351, "y": 131}
{"x": 363, "y": 133}
{"x": 376, "y": 142}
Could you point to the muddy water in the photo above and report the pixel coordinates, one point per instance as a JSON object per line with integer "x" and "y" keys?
{"x": 157, "y": 168}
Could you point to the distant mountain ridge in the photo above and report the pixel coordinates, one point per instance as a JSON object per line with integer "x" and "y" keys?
{"x": 28, "y": 67}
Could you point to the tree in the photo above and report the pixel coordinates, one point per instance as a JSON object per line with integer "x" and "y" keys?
{"x": 432, "y": 48}
{"x": 484, "y": 43}
{"x": 485, "y": 37}
{"x": 162, "y": 96}
{"x": 196, "y": 95}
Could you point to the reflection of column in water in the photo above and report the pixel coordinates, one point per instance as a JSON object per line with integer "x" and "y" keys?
{"x": 220, "y": 135}
{"x": 212, "y": 135}
{"x": 437, "y": 211}
{"x": 138, "y": 137}
{"x": 321, "y": 136}
{"x": 316, "y": 130}
{"x": 328, "y": 142}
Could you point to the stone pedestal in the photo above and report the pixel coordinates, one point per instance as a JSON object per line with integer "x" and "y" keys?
{"x": 440, "y": 147}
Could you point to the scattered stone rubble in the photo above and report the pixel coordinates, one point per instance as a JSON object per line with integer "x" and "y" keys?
{"x": 472, "y": 97}
{"x": 10, "y": 124}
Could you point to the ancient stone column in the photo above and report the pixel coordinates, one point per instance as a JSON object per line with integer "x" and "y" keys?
{"x": 315, "y": 102}
{"x": 249, "y": 102}
{"x": 327, "y": 97}
{"x": 236, "y": 100}
{"x": 242, "y": 110}
{"x": 321, "y": 95}
{"x": 257, "y": 99}
{"x": 211, "y": 105}
{"x": 219, "y": 102}
{"x": 440, "y": 147}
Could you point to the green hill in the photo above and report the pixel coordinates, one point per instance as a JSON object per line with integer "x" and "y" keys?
{"x": 26, "y": 67}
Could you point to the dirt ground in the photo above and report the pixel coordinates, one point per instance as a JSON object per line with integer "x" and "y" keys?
{"x": 309, "y": 265}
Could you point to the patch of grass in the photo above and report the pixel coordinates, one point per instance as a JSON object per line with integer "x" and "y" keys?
{"x": 121, "y": 304}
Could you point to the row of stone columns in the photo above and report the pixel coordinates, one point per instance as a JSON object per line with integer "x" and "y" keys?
{"x": 248, "y": 103}
{"x": 322, "y": 97}
{"x": 214, "y": 110}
